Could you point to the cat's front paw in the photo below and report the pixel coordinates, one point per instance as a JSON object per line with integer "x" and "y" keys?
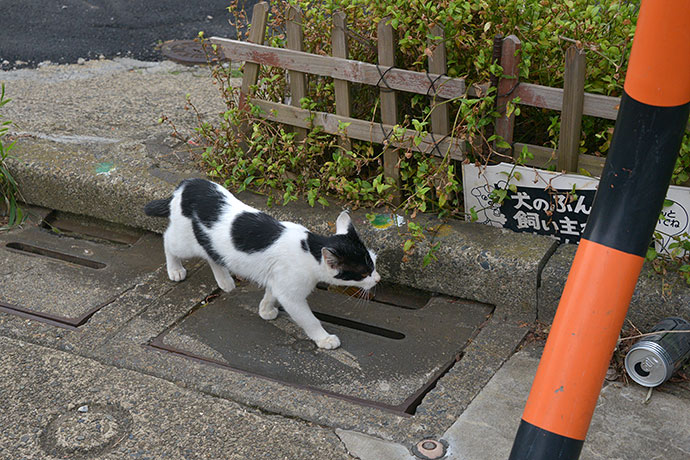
{"x": 268, "y": 313}
{"x": 177, "y": 274}
{"x": 329, "y": 342}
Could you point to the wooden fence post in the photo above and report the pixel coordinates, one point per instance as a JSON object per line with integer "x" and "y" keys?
{"x": 250, "y": 76}
{"x": 257, "y": 34}
{"x": 510, "y": 61}
{"x": 571, "y": 114}
{"x": 440, "y": 113}
{"x": 343, "y": 103}
{"x": 298, "y": 80}
{"x": 389, "y": 102}
{"x": 437, "y": 65}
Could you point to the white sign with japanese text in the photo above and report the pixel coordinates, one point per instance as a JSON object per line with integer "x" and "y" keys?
{"x": 549, "y": 203}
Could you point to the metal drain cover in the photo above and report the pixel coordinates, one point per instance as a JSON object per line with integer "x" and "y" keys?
{"x": 389, "y": 357}
{"x": 65, "y": 279}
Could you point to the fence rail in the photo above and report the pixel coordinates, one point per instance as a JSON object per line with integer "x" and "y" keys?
{"x": 572, "y": 101}
{"x": 383, "y": 76}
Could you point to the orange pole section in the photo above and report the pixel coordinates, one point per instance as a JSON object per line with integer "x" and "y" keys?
{"x": 587, "y": 323}
{"x": 649, "y": 131}
{"x": 660, "y": 63}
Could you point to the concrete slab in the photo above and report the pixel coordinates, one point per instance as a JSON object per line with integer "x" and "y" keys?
{"x": 68, "y": 278}
{"x": 89, "y": 140}
{"x": 143, "y": 287}
{"x": 441, "y": 406}
{"x": 389, "y": 355}
{"x": 623, "y": 426}
{"x": 367, "y": 447}
{"x": 656, "y": 296}
{"x": 56, "y": 404}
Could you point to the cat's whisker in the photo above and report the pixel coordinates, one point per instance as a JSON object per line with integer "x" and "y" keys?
{"x": 364, "y": 296}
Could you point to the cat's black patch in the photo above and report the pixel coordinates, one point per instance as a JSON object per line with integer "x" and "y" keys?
{"x": 255, "y": 231}
{"x": 355, "y": 262}
{"x": 202, "y": 199}
{"x": 316, "y": 243}
{"x": 203, "y": 239}
{"x": 158, "y": 208}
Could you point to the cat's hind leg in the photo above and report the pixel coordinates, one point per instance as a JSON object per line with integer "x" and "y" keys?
{"x": 176, "y": 272}
{"x": 267, "y": 308}
{"x": 223, "y": 276}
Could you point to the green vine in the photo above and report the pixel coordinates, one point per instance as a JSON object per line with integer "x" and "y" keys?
{"x": 10, "y": 212}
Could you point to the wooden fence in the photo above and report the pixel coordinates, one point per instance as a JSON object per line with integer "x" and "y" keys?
{"x": 571, "y": 100}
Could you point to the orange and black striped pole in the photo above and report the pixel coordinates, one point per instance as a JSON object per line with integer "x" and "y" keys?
{"x": 648, "y": 134}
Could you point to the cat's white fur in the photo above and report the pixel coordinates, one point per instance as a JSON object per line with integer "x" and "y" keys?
{"x": 285, "y": 269}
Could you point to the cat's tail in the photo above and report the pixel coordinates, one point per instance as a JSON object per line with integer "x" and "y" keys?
{"x": 158, "y": 208}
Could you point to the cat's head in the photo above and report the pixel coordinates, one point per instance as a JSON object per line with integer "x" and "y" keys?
{"x": 347, "y": 260}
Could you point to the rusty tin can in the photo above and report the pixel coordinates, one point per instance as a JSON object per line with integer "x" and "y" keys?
{"x": 653, "y": 359}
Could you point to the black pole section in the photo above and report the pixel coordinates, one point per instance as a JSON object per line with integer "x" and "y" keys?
{"x": 649, "y": 130}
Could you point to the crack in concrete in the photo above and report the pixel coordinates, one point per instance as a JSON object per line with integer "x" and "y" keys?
{"x": 540, "y": 268}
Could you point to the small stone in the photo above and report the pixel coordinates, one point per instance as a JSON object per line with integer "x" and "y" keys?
{"x": 209, "y": 17}
{"x": 80, "y": 438}
{"x": 611, "y": 374}
{"x": 83, "y": 409}
{"x": 5, "y": 62}
{"x": 81, "y": 61}
{"x": 101, "y": 57}
{"x": 18, "y": 63}
{"x": 25, "y": 438}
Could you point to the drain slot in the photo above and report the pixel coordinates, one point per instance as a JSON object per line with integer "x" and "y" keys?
{"x": 90, "y": 229}
{"x": 55, "y": 255}
{"x": 380, "y": 331}
{"x": 385, "y": 293}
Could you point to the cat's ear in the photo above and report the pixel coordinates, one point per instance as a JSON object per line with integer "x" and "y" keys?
{"x": 332, "y": 260}
{"x": 343, "y": 223}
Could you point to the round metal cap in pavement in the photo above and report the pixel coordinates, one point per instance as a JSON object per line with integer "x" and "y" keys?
{"x": 86, "y": 432}
{"x": 189, "y": 52}
{"x": 430, "y": 449}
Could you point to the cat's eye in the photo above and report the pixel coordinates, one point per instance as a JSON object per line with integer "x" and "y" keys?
{"x": 347, "y": 275}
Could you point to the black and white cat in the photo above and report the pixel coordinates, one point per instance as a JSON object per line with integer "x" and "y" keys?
{"x": 288, "y": 260}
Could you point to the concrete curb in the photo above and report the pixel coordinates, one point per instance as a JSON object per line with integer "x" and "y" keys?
{"x": 486, "y": 264}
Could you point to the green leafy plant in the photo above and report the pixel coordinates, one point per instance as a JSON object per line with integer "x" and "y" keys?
{"x": 8, "y": 186}
{"x": 243, "y": 150}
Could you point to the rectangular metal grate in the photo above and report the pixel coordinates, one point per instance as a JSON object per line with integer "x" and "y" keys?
{"x": 64, "y": 277}
{"x": 389, "y": 358}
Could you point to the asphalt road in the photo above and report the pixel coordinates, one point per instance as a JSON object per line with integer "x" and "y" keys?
{"x": 62, "y": 31}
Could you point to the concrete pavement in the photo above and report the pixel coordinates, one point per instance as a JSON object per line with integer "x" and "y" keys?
{"x": 89, "y": 144}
